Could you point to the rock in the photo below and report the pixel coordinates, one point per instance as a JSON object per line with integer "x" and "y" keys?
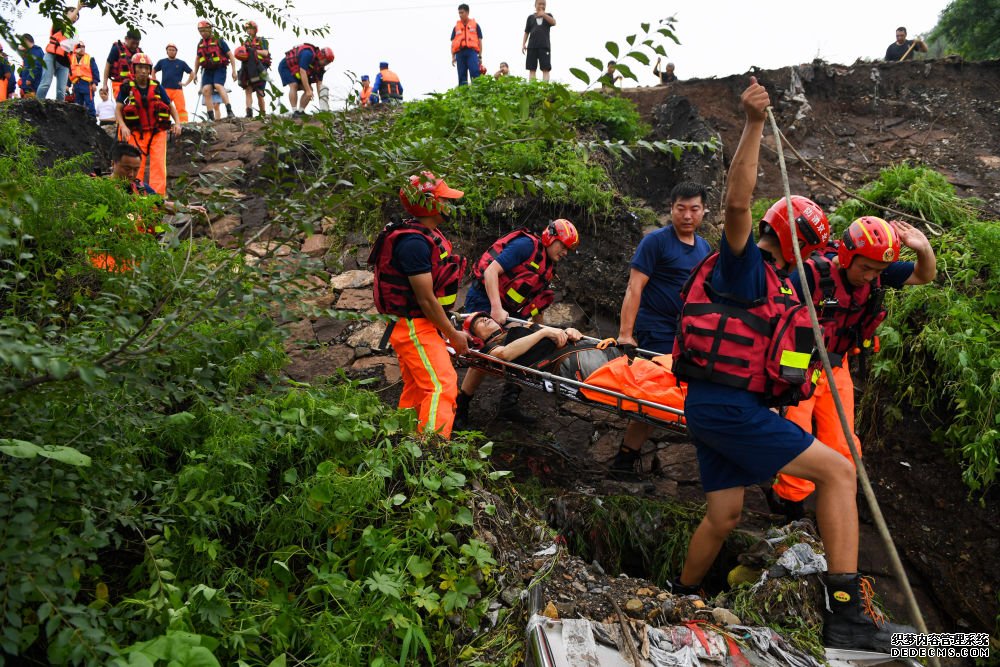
{"x": 645, "y": 592}
{"x": 369, "y": 336}
{"x": 634, "y": 606}
{"x": 261, "y": 249}
{"x": 299, "y": 334}
{"x": 224, "y": 226}
{"x": 606, "y": 446}
{"x": 511, "y": 595}
{"x": 578, "y": 587}
{"x": 725, "y": 617}
{"x": 316, "y": 245}
{"x": 679, "y": 462}
{"x": 564, "y": 315}
{"x": 308, "y": 364}
{"x": 328, "y": 328}
{"x": 390, "y": 368}
{"x": 355, "y": 279}
{"x": 327, "y": 225}
{"x": 355, "y": 299}
{"x": 222, "y": 167}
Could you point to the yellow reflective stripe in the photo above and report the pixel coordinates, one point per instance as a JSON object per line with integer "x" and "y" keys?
{"x": 444, "y": 254}
{"x": 888, "y": 232}
{"x": 436, "y": 394}
{"x": 534, "y": 311}
{"x": 512, "y": 293}
{"x": 793, "y": 359}
{"x": 534, "y": 265}
{"x": 447, "y": 299}
{"x": 786, "y": 290}
{"x": 867, "y": 235}
{"x": 816, "y": 376}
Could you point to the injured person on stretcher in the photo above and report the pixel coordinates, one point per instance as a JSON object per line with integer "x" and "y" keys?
{"x": 608, "y": 376}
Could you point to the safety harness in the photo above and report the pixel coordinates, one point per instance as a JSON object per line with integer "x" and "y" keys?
{"x": 524, "y": 290}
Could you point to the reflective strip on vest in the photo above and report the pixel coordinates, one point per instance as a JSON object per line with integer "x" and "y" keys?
{"x": 793, "y": 359}
{"x": 447, "y": 299}
{"x": 512, "y": 293}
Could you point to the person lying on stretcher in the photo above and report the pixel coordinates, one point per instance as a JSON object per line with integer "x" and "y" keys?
{"x": 562, "y": 353}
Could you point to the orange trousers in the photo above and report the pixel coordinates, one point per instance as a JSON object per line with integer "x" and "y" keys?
{"x": 821, "y": 409}
{"x": 115, "y": 85}
{"x": 176, "y": 96}
{"x": 3, "y": 89}
{"x": 430, "y": 383}
{"x": 154, "y": 155}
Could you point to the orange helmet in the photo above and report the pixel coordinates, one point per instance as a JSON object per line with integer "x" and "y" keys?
{"x": 869, "y": 237}
{"x": 141, "y": 59}
{"x": 561, "y": 230}
{"x": 241, "y": 53}
{"x": 810, "y": 223}
{"x": 204, "y": 24}
{"x": 326, "y": 53}
{"x": 422, "y": 196}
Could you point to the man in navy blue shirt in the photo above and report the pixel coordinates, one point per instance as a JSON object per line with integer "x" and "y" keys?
{"x": 661, "y": 265}
{"x": 34, "y": 64}
{"x": 172, "y": 69}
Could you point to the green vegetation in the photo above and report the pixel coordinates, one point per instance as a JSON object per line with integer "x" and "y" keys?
{"x": 941, "y": 342}
{"x": 165, "y": 499}
{"x": 970, "y": 28}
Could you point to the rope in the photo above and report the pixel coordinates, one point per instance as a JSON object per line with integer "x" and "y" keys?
{"x": 880, "y": 524}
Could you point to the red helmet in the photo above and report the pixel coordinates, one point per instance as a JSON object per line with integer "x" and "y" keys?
{"x": 241, "y": 53}
{"x": 422, "y": 196}
{"x": 141, "y": 59}
{"x": 250, "y": 24}
{"x": 869, "y": 237}
{"x": 561, "y": 230}
{"x": 467, "y": 325}
{"x": 326, "y": 53}
{"x": 204, "y": 24}
{"x": 810, "y": 222}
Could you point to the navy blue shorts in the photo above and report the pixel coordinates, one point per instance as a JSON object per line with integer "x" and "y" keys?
{"x": 286, "y": 74}
{"x": 660, "y": 344}
{"x": 476, "y": 300}
{"x": 210, "y": 77}
{"x": 740, "y": 445}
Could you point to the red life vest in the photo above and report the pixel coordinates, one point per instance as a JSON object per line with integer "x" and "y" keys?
{"x": 393, "y": 293}
{"x": 765, "y": 346}
{"x": 210, "y": 55}
{"x": 315, "y": 70}
{"x": 79, "y": 69}
{"x": 149, "y": 114}
{"x": 121, "y": 69}
{"x": 259, "y": 44}
{"x": 466, "y": 37}
{"x": 389, "y": 88}
{"x": 524, "y": 290}
{"x": 849, "y": 316}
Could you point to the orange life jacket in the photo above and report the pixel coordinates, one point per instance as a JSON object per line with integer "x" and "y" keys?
{"x": 146, "y": 114}
{"x": 366, "y": 94}
{"x": 79, "y": 69}
{"x": 210, "y": 55}
{"x": 390, "y": 89}
{"x": 849, "y": 316}
{"x": 56, "y": 38}
{"x": 121, "y": 69}
{"x": 466, "y": 37}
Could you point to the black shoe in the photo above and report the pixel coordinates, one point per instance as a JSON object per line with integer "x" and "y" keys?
{"x": 624, "y": 464}
{"x": 854, "y": 622}
{"x": 462, "y": 403}
{"x": 229, "y": 111}
{"x": 679, "y": 589}
{"x": 249, "y": 112}
{"x": 792, "y": 510}
{"x": 298, "y": 114}
{"x": 509, "y": 409}
{"x": 211, "y": 115}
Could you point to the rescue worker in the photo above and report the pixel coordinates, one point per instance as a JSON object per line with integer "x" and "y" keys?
{"x": 738, "y": 303}
{"x": 6, "y": 74}
{"x": 213, "y": 58}
{"x": 301, "y": 69}
{"x": 126, "y": 163}
{"x": 661, "y": 265}
{"x": 366, "y": 90}
{"x": 512, "y": 277}
{"x": 56, "y": 57}
{"x": 256, "y": 56}
{"x": 172, "y": 69}
{"x": 144, "y": 112}
{"x": 387, "y": 85}
{"x": 83, "y": 77}
{"x": 416, "y": 280}
{"x": 34, "y": 66}
{"x": 466, "y": 46}
{"x": 851, "y": 277}
{"x": 118, "y": 68}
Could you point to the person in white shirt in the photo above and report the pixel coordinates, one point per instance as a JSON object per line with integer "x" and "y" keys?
{"x": 105, "y": 109}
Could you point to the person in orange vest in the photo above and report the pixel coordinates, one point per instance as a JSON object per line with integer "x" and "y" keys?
{"x": 301, "y": 69}
{"x": 145, "y": 115}
{"x": 118, "y": 67}
{"x": 255, "y": 55}
{"x": 416, "y": 280}
{"x": 366, "y": 90}
{"x": 83, "y": 77}
{"x": 172, "y": 69}
{"x": 56, "y": 55}
{"x": 387, "y": 86}
{"x": 6, "y": 74}
{"x": 213, "y": 58}
{"x": 466, "y": 46}
{"x": 851, "y": 277}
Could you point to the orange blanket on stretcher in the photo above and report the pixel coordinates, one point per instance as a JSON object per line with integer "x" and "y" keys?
{"x": 649, "y": 380}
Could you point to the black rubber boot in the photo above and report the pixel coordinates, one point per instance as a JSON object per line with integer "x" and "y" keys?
{"x": 792, "y": 510}
{"x": 462, "y": 403}
{"x": 509, "y": 409}
{"x": 229, "y": 111}
{"x": 853, "y": 621}
{"x": 211, "y": 115}
{"x": 624, "y": 465}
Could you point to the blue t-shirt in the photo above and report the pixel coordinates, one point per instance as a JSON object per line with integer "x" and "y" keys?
{"x": 411, "y": 255}
{"x": 668, "y": 263}
{"x": 34, "y": 63}
{"x": 518, "y": 251}
{"x": 172, "y": 72}
{"x": 306, "y": 58}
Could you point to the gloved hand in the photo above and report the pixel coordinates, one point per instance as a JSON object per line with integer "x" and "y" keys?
{"x": 629, "y": 350}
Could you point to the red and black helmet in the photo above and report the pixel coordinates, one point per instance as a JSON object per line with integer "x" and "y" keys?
{"x": 810, "y": 223}
{"x": 561, "y": 230}
{"x": 470, "y": 322}
{"x": 869, "y": 237}
{"x": 423, "y": 195}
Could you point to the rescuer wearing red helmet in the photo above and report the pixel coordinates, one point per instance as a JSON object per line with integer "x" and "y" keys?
{"x": 744, "y": 346}
{"x": 255, "y": 56}
{"x": 513, "y": 276}
{"x": 851, "y": 277}
{"x": 301, "y": 69}
{"x": 416, "y": 280}
{"x": 214, "y": 58}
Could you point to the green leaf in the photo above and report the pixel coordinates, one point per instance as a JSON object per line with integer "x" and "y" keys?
{"x": 596, "y": 63}
{"x": 638, "y": 55}
{"x": 626, "y": 72}
{"x": 280, "y": 661}
{"x": 612, "y": 48}
{"x": 419, "y": 567}
{"x": 580, "y": 74}
{"x": 22, "y": 449}
{"x": 179, "y": 419}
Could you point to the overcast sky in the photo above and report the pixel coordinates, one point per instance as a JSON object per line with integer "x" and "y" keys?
{"x": 717, "y": 38}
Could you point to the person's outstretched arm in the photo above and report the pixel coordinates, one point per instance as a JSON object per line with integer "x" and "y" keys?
{"x": 742, "y": 177}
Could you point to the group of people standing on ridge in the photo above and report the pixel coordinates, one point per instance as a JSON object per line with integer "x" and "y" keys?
{"x": 711, "y": 313}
